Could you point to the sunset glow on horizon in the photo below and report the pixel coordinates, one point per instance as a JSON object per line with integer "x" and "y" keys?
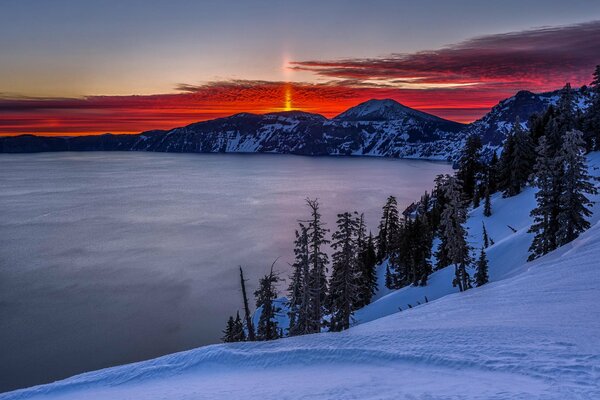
{"x": 67, "y": 74}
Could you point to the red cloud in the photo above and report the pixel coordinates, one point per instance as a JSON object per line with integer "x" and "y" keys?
{"x": 539, "y": 59}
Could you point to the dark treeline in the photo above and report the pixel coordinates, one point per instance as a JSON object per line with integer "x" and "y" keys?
{"x": 548, "y": 152}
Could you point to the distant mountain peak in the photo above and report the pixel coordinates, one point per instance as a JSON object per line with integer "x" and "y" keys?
{"x": 382, "y": 110}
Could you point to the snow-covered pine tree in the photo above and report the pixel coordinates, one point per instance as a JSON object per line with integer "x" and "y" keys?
{"x": 470, "y": 166}
{"x": 481, "y": 275}
{"x": 520, "y": 160}
{"x": 267, "y": 327}
{"x": 344, "y": 292}
{"x": 565, "y": 115}
{"x": 545, "y": 214}
{"x": 299, "y": 289}
{"x": 592, "y": 114}
{"x": 455, "y": 235}
{"x": 389, "y": 228}
{"x": 228, "y": 332}
{"x": 318, "y": 261}
{"x": 573, "y": 207}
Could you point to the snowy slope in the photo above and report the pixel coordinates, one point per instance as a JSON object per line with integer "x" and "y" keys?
{"x": 531, "y": 333}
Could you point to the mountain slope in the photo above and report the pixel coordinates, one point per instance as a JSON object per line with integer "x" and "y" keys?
{"x": 530, "y": 334}
{"x": 494, "y": 126}
{"x": 390, "y": 130}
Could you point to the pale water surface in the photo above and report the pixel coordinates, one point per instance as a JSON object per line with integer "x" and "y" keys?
{"x": 109, "y": 258}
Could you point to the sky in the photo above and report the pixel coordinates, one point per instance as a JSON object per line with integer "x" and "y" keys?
{"x": 78, "y": 67}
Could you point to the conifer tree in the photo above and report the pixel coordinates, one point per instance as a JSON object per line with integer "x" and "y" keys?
{"x": 344, "y": 292}
{"x": 299, "y": 288}
{"x": 504, "y": 165}
{"x": 592, "y": 114}
{"x": 455, "y": 235}
{"x": 492, "y": 172}
{"x": 565, "y": 115}
{"x": 573, "y": 207}
{"x": 486, "y": 239}
{"x": 545, "y": 215}
{"x": 267, "y": 328}
{"x": 318, "y": 260}
{"x": 476, "y": 198}
{"x": 470, "y": 166}
{"x": 522, "y": 160}
{"x": 368, "y": 274}
{"x": 481, "y": 275}
{"x": 440, "y": 201}
{"x": 228, "y": 332}
{"x": 389, "y": 279}
{"x": 238, "y": 333}
{"x": 487, "y": 203}
{"x": 389, "y": 228}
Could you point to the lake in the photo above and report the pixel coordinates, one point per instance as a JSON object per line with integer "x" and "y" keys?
{"x": 110, "y": 258}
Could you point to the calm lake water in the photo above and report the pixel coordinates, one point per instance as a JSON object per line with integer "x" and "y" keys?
{"x": 110, "y": 258}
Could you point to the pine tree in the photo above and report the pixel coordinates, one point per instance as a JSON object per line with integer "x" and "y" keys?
{"x": 344, "y": 292}
{"x": 389, "y": 279}
{"x": 389, "y": 228}
{"x": 545, "y": 215}
{"x": 455, "y": 235}
{"x": 573, "y": 207}
{"x": 592, "y": 114}
{"x": 492, "y": 173}
{"x": 228, "y": 332}
{"x": 266, "y": 294}
{"x": 522, "y": 160}
{"x": 487, "y": 203}
{"x": 565, "y": 115}
{"x": 481, "y": 275}
{"x": 368, "y": 275}
{"x": 470, "y": 166}
{"x": 318, "y": 261}
{"x": 438, "y": 200}
{"x": 238, "y": 333}
{"x": 486, "y": 239}
{"x": 439, "y": 204}
{"x": 299, "y": 288}
{"x": 476, "y": 197}
{"x": 505, "y": 163}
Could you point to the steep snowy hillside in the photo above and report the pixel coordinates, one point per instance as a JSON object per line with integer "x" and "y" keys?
{"x": 530, "y": 333}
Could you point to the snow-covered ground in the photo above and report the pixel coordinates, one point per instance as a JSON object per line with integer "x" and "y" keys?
{"x": 533, "y": 332}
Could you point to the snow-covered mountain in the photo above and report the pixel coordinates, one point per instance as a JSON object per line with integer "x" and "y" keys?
{"x": 494, "y": 126}
{"x": 532, "y": 332}
{"x": 382, "y": 128}
{"x": 376, "y": 128}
